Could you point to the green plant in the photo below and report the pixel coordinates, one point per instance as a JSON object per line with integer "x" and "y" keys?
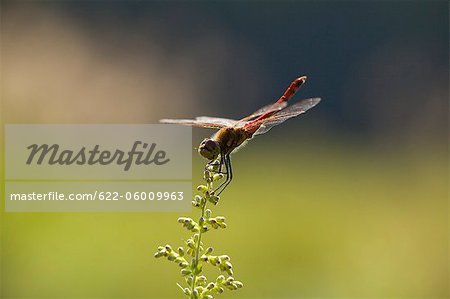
{"x": 197, "y": 284}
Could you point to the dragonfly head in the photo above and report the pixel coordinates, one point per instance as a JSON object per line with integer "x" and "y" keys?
{"x": 209, "y": 149}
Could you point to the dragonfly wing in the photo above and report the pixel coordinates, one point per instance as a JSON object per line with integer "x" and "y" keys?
{"x": 269, "y": 108}
{"x": 266, "y": 124}
{"x": 194, "y": 123}
{"x": 226, "y": 122}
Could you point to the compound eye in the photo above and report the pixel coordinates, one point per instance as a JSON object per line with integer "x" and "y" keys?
{"x": 209, "y": 149}
{"x": 210, "y": 145}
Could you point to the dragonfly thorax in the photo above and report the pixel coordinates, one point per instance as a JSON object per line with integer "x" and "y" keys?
{"x": 209, "y": 149}
{"x": 230, "y": 138}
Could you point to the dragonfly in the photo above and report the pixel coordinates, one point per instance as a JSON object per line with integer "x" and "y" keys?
{"x": 232, "y": 134}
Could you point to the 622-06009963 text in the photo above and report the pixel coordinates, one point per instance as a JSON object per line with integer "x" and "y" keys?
{"x": 99, "y": 195}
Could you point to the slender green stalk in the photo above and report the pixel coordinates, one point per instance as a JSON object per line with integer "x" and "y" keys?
{"x": 198, "y": 286}
{"x": 197, "y": 251}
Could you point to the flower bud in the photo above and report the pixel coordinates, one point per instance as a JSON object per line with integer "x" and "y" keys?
{"x": 190, "y": 243}
{"x": 220, "y": 219}
{"x": 181, "y": 219}
{"x": 220, "y": 279}
{"x": 201, "y": 280}
{"x": 238, "y": 284}
{"x": 213, "y": 199}
{"x": 213, "y": 260}
{"x": 217, "y": 176}
{"x": 225, "y": 257}
{"x": 202, "y": 188}
{"x": 183, "y": 264}
{"x": 179, "y": 259}
{"x": 214, "y": 167}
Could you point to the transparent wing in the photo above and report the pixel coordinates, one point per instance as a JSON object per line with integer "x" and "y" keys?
{"x": 226, "y": 122}
{"x": 266, "y": 124}
{"x": 269, "y": 108}
{"x": 202, "y": 121}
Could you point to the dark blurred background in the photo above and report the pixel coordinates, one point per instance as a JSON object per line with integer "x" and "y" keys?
{"x": 353, "y": 195}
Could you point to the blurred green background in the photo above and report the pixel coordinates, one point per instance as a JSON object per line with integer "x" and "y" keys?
{"x": 348, "y": 201}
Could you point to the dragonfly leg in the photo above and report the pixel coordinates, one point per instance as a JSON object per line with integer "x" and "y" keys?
{"x": 225, "y": 173}
{"x": 229, "y": 175}
{"x": 222, "y": 161}
{"x": 215, "y": 163}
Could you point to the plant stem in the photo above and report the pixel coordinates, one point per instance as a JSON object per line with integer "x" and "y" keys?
{"x": 191, "y": 270}
{"x": 197, "y": 250}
